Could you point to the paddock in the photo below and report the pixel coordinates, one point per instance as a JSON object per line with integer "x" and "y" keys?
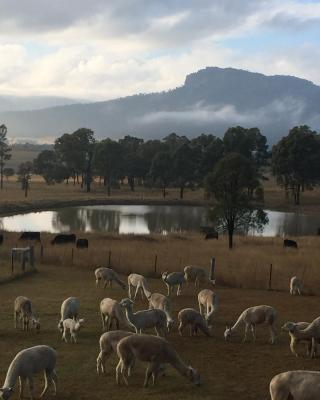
{"x": 228, "y": 369}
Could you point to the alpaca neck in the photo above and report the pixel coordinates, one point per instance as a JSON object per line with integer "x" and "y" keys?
{"x": 178, "y": 364}
{"x": 12, "y": 375}
{"x": 237, "y": 323}
{"x": 130, "y": 315}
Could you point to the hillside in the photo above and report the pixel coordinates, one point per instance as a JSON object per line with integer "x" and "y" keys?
{"x": 210, "y": 101}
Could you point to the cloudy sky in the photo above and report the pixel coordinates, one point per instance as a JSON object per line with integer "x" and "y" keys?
{"x": 102, "y": 49}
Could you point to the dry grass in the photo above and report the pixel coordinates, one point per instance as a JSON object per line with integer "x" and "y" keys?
{"x": 229, "y": 370}
{"x": 246, "y": 266}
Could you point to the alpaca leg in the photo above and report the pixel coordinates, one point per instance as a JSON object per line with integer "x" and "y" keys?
{"x": 200, "y": 307}
{"x": 149, "y": 372}
{"x": 180, "y": 328}
{"x": 273, "y": 334}
{"x": 54, "y": 381}
{"x": 168, "y": 288}
{"x": 135, "y": 295}
{"x": 15, "y": 319}
{"x": 253, "y": 330}
{"x": 30, "y": 385}
{"x": 245, "y": 333}
{"x": 22, "y": 383}
{"x": 45, "y": 383}
{"x": 293, "y": 347}
{"x": 103, "y": 322}
{"x": 129, "y": 290}
{"x": 141, "y": 293}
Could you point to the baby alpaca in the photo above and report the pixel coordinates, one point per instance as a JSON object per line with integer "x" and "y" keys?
{"x": 73, "y": 327}
{"x": 295, "y": 286}
{"x": 191, "y": 317}
{"x": 24, "y": 312}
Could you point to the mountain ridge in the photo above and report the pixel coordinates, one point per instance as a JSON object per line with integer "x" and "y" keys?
{"x": 210, "y": 100}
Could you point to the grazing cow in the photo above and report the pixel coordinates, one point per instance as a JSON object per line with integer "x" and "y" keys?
{"x": 64, "y": 239}
{"x": 30, "y": 236}
{"x": 1, "y": 239}
{"x": 290, "y": 243}
{"x": 82, "y": 243}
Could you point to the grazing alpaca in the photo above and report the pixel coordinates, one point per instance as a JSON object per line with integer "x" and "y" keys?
{"x": 111, "y": 311}
{"x": 291, "y": 327}
{"x": 296, "y": 385}
{"x": 140, "y": 283}
{"x": 191, "y": 317}
{"x": 27, "y": 363}
{"x": 108, "y": 344}
{"x": 251, "y": 317}
{"x": 208, "y": 304}
{"x": 24, "y": 312}
{"x": 295, "y": 286}
{"x": 311, "y": 332}
{"x": 69, "y": 309}
{"x": 173, "y": 279}
{"x": 162, "y": 302}
{"x": 154, "y": 350}
{"x": 108, "y": 275}
{"x": 146, "y": 319}
{"x": 197, "y": 275}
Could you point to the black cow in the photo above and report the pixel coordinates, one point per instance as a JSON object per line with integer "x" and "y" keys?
{"x": 64, "y": 239}
{"x": 1, "y": 239}
{"x": 30, "y": 236}
{"x": 290, "y": 243}
{"x": 82, "y": 243}
{"x": 212, "y": 235}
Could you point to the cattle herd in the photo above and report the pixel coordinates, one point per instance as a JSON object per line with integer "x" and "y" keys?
{"x": 124, "y": 330}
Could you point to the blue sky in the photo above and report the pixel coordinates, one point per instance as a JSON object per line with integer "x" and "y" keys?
{"x": 100, "y": 49}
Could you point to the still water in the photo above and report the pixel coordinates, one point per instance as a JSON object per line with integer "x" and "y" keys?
{"x": 144, "y": 219}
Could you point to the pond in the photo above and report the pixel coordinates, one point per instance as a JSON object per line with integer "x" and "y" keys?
{"x": 145, "y": 219}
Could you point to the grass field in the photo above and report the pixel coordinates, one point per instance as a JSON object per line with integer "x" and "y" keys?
{"x": 229, "y": 370}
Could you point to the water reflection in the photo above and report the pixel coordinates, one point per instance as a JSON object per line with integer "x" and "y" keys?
{"x": 145, "y": 220}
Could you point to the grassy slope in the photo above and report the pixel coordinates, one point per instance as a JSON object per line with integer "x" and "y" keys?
{"x": 229, "y": 370}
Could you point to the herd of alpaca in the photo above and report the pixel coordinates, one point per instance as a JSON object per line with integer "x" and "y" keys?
{"x": 130, "y": 343}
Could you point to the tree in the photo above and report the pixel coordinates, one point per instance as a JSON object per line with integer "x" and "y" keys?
{"x": 184, "y": 165}
{"x": 230, "y": 182}
{"x": 7, "y": 172}
{"x": 24, "y": 175}
{"x": 50, "y": 167}
{"x": 132, "y": 162}
{"x": 248, "y": 142}
{"x": 108, "y": 161}
{"x": 296, "y": 161}
{"x": 161, "y": 168}
{"x": 5, "y": 151}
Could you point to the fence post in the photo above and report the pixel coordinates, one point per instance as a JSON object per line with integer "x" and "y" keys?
{"x": 72, "y": 254}
{"x": 12, "y": 268}
{"x": 109, "y": 259}
{"x": 41, "y": 253}
{"x": 32, "y": 256}
{"x": 155, "y": 263}
{"x": 212, "y": 267}
{"x": 270, "y": 277}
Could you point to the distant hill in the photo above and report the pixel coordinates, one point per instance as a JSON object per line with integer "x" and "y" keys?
{"x": 210, "y": 101}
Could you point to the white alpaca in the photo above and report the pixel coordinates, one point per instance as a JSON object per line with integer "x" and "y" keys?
{"x": 108, "y": 275}
{"x": 69, "y": 309}
{"x": 197, "y": 275}
{"x": 154, "y": 350}
{"x": 73, "y": 327}
{"x": 112, "y": 312}
{"x": 251, "y": 317}
{"x": 311, "y": 332}
{"x": 22, "y": 311}
{"x": 108, "y": 344}
{"x": 162, "y": 302}
{"x": 296, "y": 385}
{"x": 295, "y": 286}
{"x": 173, "y": 279}
{"x": 291, "y": 328}
{"x": 146, "y": 319}
{"x": 27, "y": 363}
{"x": 208, "y": 304}
{"x": 138, "y": 282}
{"x": 191, "y": 317}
